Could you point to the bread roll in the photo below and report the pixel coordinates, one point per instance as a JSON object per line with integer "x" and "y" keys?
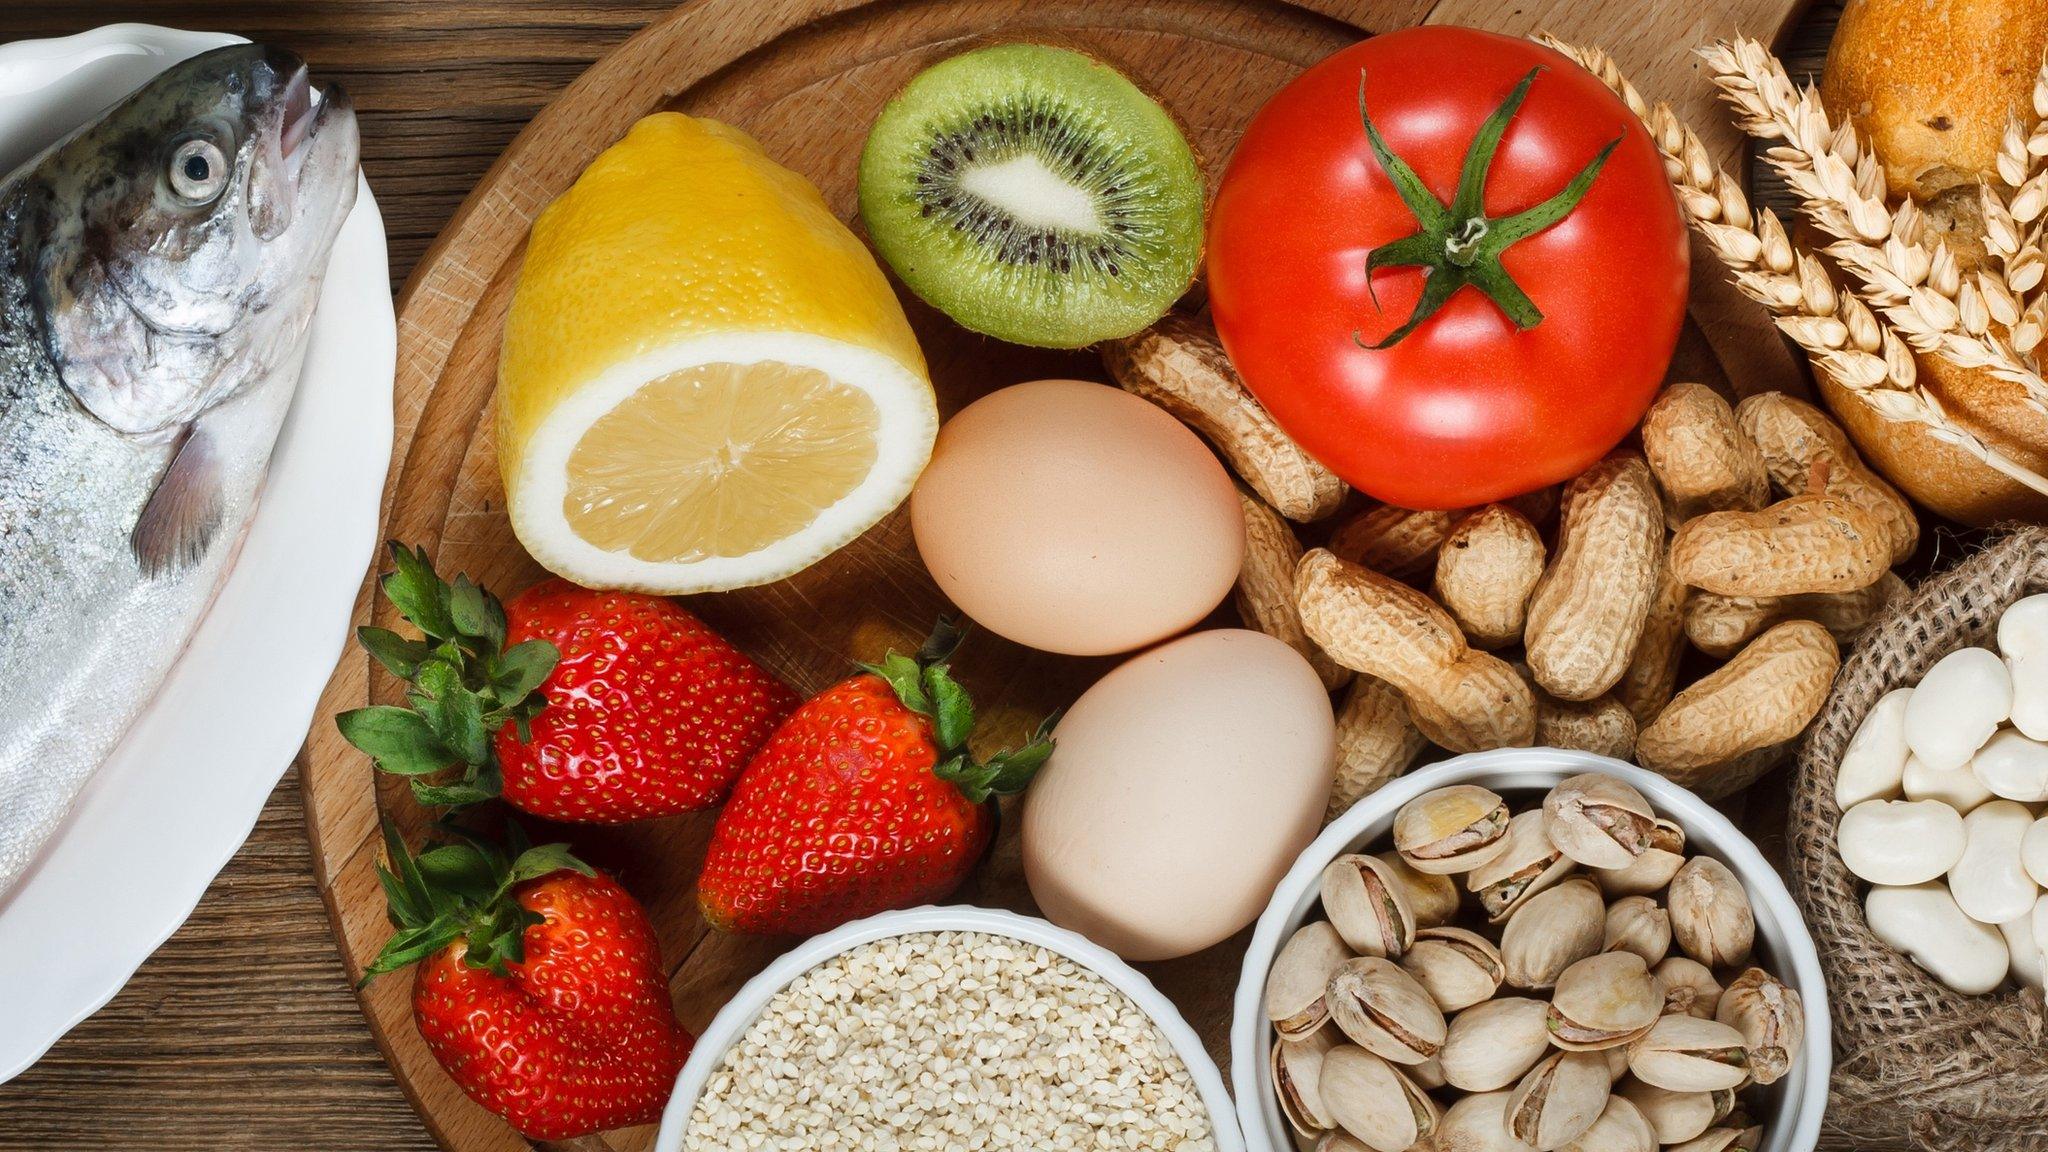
{"x": 1931, "y": 84}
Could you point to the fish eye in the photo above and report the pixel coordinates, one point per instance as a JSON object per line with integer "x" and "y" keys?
{"x": 198, "y": 171}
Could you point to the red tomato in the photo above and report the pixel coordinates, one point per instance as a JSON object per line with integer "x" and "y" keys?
{"x": 1468, "y": 407}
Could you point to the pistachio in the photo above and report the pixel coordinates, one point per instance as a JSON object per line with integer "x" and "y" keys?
{"x": 1688, "y": 987}
{"x": 1301, "y": 974}
{"x": 1367, "y": 907}
{"x": 1771, "y": 1019}
{"x": 1673, "y": 1116}
{"x": 1478, "y": 1124}
{"x": 1527, "y": 865}
{"x": 1598, "y": 820}
{"x": 1338, "y": 1140}
{"x": 1722, "y": 1139}
{"x": 1688, "y": 1054}
{"x": 1617, "y": 1063}
{"x": 1559, "y": 1099}
{"x": 1557, "y": 928}
{"x": 1710, "y": 914}
{"x": 1637, "y": 924}
{"x": 1434, "y": 898}
{"x": 1603, "y": 1001}
{"x": 1297, "y": 1078}
{"x": 1429, "y": 1074}
{"x": 1383, "y": 1010}
{"x": 1490, "y": 1046}
{"x": 1374, "y": 1102}
{"x": 1456, "y": 967}
{"x": 1451, "y": 830}
{"x": 1620, "y": 1128}
{"x": 1648, "y": 873}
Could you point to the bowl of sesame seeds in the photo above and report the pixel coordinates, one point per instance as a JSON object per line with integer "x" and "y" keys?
{"x": 949, "y": 1028}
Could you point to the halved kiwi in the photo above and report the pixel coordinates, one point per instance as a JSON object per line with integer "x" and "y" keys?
{"x": 1034, "y": 194}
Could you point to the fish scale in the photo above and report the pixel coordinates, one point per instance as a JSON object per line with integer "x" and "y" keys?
{"x": 88, "y": 632}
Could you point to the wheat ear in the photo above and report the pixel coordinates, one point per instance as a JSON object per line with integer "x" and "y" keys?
{"x": 1919, "y": 288}
{"x": 1837, "y": 330}
{"x": 2016, "y": 217}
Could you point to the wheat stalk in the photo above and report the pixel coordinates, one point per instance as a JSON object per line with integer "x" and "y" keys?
{"x": 1918, "y": 288}
{"x": 1839, "y": 332}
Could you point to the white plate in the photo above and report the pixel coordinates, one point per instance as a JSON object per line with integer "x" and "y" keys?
{"x": 180, "y": 794}
{"x": 739, "y": 1013}
{"x": 1793, "y": 1106}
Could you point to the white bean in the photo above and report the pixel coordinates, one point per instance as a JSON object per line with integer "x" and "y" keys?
{"x": 1924, "y": 923}
{"x": 2034, "y": 852}
{"x": 1900, "y": 842}
{"x": 1960, "y": 702}
{"x": 1989, "y": 882}
{"x": 1958, "y": 788}
{"x": 2013, "y": 767}
{"x": 1874, "y": 764}
{"x": 2023, "y": 638}
{"x": 2024, "y": 949}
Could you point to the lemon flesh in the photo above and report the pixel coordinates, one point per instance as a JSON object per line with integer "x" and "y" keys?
{"x": 706, "y": 382}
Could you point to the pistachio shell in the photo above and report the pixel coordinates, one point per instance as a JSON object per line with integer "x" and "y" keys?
{"x": 1456, "y": 967}
{"x": 1451, "y": 830}
{"x": 1688, "y": 1054}
{"x": 1637, "y": 924}
{"x": 1650, "y": 872}
{"x": 1385, "y": 1011}
{"x": 1722, "y": 1139}
{"x": 1433, "y": 897}
{"x": 1603, "y": 1001}
{"x": 1772, "y": 1021}
{"x": 1374, "y": 1102}
{"x": 1554, "y": 930}
{"x": 1297, "y": 1067}
{"x": 1338, "y": 1140}
{"x": 1429, "y": 1074}
{"x": 1673, "y": 1116}
{"x": 1688, "y": 987}
{"x": 1528, "y": 864}
{"x": 1710, "y": 914}
{"x": 1367, "y": 907}
{"x": 1560, "y": 1098}
{"x": 1598, "y": 820}
{"x": 1620, "y": 1128}
{"x": 1617, "y": 1063}
{"x": 1490, "y": 1046}
{"x": 1478, "y": 1124}
{"x": 1301, "y": 974}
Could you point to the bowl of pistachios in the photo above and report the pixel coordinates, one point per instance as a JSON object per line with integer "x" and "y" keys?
{"x": 1531, "y": 949}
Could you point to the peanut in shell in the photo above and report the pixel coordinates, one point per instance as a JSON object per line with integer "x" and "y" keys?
{"x": 1587, "y": 613}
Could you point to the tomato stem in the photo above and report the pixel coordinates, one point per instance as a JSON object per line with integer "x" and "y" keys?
{"x": 1457, "y": 244}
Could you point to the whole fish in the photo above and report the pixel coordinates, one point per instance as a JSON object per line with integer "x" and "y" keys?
{"x": 158, "y": 271}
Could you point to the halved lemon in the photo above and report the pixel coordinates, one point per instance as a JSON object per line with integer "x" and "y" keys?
{"x": 706, "y": 382}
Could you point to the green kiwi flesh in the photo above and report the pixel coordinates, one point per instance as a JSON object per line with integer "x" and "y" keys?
{"x": 1034, "y": 194}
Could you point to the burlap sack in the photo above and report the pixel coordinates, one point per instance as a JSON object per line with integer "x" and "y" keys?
{"x": 1916, "y": 1065}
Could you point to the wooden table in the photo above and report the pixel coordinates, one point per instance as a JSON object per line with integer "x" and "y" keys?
{"x": 241, "y": 1033}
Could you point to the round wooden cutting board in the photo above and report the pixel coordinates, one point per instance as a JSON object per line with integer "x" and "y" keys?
{"x": 806, "y": 77}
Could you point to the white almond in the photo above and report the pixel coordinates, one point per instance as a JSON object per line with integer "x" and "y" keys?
{"x": 1960, "y": 702}
{"x": 2013, "y": 767}
{"x": 2023, "y": 638}
{"x": 1900, "y": 842}
{"x": 1874, "y": 764}
{"x": 1924, "y": 923}
{"x": 1958, "y": 788}
{"x": 1989, "y": 882}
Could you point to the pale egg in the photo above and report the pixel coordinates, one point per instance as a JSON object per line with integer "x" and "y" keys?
{"x": 1182, "y": 786}
{"x": 1076, "y": 518}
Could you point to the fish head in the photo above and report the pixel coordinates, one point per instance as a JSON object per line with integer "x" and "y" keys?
{"x": 176, "y": 246}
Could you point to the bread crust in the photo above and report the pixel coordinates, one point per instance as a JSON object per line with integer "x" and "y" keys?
{"x": 1931, "y": 83}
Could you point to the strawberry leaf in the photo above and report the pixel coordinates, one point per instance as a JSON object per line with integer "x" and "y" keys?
{"x": 521, "y": 668}
{"x": 419, "y": 595}
{"x": 952, "y": 709}
{"x": 399, "y": 656}
{"x": 476, "y": 613}
{"x": 906, "y": 678}
{"x": 462, "y": 890}
{"x": 534, "y": 863}
{"x": 401, "y": 742}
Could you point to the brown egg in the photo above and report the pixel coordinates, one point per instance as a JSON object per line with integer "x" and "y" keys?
{"x": 1076, "y": 518}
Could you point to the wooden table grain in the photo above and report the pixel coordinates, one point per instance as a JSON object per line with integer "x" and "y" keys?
{"x": 241, "y": 1032}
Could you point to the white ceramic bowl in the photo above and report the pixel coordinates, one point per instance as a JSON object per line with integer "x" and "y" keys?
{"x": 1792, "y": 1117}
{"x": 739, "y": 1013}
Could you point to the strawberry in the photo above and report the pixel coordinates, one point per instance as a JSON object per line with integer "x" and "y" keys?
{"x": 865, "y": 799}
{"x": 650, "y": 712}
{"x": 539, "y": 988}
{"x": 575, "y": 705}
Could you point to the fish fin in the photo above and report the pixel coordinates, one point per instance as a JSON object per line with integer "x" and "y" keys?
{"x": 184, "y": 513}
